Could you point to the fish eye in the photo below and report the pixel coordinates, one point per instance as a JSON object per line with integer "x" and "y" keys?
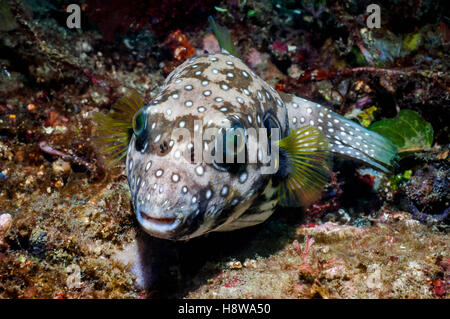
{"x": 270, "y": 122}
{"x": 139, "y": 122}
{"x": 232, "y": 141}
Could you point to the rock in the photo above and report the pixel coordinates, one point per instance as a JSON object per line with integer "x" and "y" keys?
{"x": 38, "y": 243}
{"x": 5, "y": 223}
{"x": 18, "y": 235}
{"x": 235, "y": 264}
{"x": 61, "y": 167}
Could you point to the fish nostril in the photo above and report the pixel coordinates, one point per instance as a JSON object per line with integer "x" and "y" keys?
{"x": 163, "y": 147}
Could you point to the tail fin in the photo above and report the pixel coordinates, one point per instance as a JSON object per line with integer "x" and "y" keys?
{"x": 346, "y": 138}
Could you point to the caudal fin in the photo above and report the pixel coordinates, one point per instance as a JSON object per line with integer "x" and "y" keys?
{"x": 346, "y": 138}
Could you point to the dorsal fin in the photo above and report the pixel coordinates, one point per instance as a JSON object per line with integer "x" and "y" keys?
{"x": 224, "y": 37}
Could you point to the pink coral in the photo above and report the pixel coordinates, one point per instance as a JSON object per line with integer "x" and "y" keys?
{"x": 279, "y": 46}
{"x": 210, "y": 43}
{"x": 308, "y": 266}
{"x": 254, "y": 58}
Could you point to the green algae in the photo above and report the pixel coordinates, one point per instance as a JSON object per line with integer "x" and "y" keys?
{"x": 408, "y": 131}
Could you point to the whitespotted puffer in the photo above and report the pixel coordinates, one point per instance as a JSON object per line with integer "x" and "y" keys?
{"x": 178, "y": 197}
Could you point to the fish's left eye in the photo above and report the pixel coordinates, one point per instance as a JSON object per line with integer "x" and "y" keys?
{"x": 270, "y": 124}
{"x": 273, "y": 129}
{"x": 139, "y": 122}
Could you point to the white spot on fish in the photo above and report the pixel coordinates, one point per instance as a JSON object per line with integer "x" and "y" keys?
{"x": 259, "y": 95}
{"x": 147, "y": 167}
{"x": 279, "y": 102}
{"x": 259, "y": 155}
{"x": 144, "y": 148}
{"x": 224, "y": 191}
{"x": 199, "y": 170}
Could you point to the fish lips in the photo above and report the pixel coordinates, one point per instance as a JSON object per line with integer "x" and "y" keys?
{"x": 158, "y": 226}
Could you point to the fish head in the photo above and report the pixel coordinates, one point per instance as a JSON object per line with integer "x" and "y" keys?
{"x": 189, "y": 163}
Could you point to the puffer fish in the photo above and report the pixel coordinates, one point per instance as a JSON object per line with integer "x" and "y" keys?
{"x": 176, "y": 196}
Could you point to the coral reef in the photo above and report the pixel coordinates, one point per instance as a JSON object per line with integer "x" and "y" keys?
{"x": 67, "y": 229}
{"x": 160, "y": 16}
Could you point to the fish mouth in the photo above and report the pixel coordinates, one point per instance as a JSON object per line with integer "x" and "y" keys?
{"x": 157, "y": 226}
{"x": 161, "y": 221}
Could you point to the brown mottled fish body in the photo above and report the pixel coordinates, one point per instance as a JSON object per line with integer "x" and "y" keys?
{"x": 177, "y": 198}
